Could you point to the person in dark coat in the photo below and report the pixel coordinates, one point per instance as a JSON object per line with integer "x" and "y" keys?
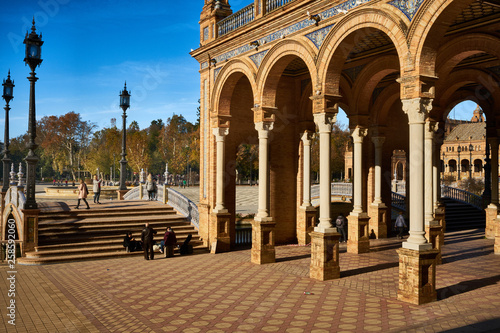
{"x": 185, "y": 247}
{"x": 147, "y": 239}
{"x": 341, "y": 225}
{"x": 130, "y": 243}
{"x": 170, "y": 241}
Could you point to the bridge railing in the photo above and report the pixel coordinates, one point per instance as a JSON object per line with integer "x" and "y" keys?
{"x": 243, "y": 236}
{"x": 16, "y": 197}
{"x": 178, "y": 201}
{"x": 336, "y": 189}
{"x": 398, "y": 201}
{"x": 462, "y": 196}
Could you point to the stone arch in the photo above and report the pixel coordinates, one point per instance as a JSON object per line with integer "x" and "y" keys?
{"x": 343, "y": 37}
{"x": 426, "y": 32}
{"x": 275, "y": 62}
{"x": 384, "y": 102}
{"x": 226, "y": 81}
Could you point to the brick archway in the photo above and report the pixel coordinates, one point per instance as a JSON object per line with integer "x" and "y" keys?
{"x": 344, "y": 35}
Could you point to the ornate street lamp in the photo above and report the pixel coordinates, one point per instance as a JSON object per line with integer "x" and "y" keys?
{"x": 8, "y": 95}
{"x": 471, "y": 148}
{"x": 459, "y": 149}
{"x": 33, "y": 59}
{"x": 124, "y": 104}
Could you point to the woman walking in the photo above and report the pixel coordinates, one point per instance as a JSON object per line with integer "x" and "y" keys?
{"x": 96, "y": 188}
{"x": 83, "y": 191}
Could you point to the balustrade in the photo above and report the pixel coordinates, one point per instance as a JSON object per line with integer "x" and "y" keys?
{"x": 236, "y": 20}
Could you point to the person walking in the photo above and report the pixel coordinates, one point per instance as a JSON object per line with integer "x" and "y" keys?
{"x": 83, "y": 192}
{"x": 341, "y": 224}
{"x": 147, "y": 241}
{"x": 96, "y": 188}
{"x": 400, "y": 225}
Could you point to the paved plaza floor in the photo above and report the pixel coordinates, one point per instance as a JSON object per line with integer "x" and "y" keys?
{"x": 227, "y": 293}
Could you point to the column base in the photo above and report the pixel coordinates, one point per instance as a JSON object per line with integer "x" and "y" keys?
{"x": 324, "y": 256}
{"x": 417, "y": 276}
{"x": 121, "y": 193}
{"x": 439, "y": 215}
{"x": 378, "y": 221}
{"x": 435, "y": 236}
{"x": 306, "y": 219}
{"x": 497, "y": 237}
{"x": 358, "y": 237}
{"x": 222, "y": 241}
{"x": 491, "y": 217}
{"x": 263, "y": 251}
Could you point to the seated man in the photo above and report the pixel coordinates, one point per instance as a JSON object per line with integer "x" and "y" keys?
{"x": 130, "y": 243}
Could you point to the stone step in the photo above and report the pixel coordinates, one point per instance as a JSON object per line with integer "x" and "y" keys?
{"x": 110, "y": 222}
{"x": 93, "y": 256}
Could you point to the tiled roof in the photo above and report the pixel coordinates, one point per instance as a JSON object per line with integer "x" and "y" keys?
{"x": 464, "y": 132}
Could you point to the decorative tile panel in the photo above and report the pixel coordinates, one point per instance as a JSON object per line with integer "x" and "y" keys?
{"x": 216, "y": 72}
{"x": 408, "y": 7}
{"x": 282, "y": 33}
{"x": 318, "y": 36}
{"x": 204, "y": 65}
{"x": 257, "y": 58}
{"x": 205, "y": 33}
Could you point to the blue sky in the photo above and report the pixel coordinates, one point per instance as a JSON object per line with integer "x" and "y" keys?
{"x": 91, "y": 47}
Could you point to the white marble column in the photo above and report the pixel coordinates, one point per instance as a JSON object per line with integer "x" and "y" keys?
{"x": 306, "y": 191}
{"x": 430, "y": 128}
{"x": 220, "y": 134}
{"x": 494, "y": 171}
{"x": 324, "y": 121}
{"x": 416, "y": 109}
{"x": 378, "y": 141}
{"x": 263, "y": 128}
{"x": 357, "y": 135}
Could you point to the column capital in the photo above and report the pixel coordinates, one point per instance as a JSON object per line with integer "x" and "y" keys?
{"x": 264, "y": 113}
{"x": 264, "y": 127}
{"x": 325, "y": 121}
{"x": 430, "y": 129}
{"x": 417, "y": 109}
{"x": 307, "y": 137}
{"x": 378, "y": 141}
{"x": 220, "y": 133}
{"x": 358, "y": 134}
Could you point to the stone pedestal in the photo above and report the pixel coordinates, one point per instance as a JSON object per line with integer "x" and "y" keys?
{"x": 121, "y": 193}
{"x": 358, "y": 233}
{"x": 263, "y": 241}
{"x": 222, "y": 241}
{"x": 324, "y": 256}
{"x": 491, "y": 217}
{"x": 435, "y": 236}
{"x": 1, "y": 216}
{"x": 439, "y": 215}
{"x": 306, "y": 220}
{"x": 378, "y": 221}
{"x": 417, "y": 276}
{"x": 497, "y": 238}
{"x": 30, "y": 230}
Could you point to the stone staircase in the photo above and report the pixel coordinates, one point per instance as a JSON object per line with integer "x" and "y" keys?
{"x": 66, "y": 234}
{"x": 460, "y": 216}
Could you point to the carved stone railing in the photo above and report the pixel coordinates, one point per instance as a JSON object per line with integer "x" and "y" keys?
{"x": 337, "y": 189}
{"x": 178, "y": 201}
{"x": 462, "y": 196}
{"x": 236, "y": 20}
{"x": 16, "y": 197}
{"x": 275, "y": 4}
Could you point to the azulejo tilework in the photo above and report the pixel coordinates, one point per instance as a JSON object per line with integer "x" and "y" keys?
{"x": 318, "y": 36}
{"x": 257, "y": 58}
{"x": 204, "y": 65}
{"x": 216, "y": 72}
{"x": 408, "y": 7}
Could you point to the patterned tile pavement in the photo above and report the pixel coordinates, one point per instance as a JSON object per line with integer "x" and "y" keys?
{"x": 227, "y": 293}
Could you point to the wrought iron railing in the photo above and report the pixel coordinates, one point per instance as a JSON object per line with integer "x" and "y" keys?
{"x": 243, "y": 236}
{"x": 275, "y": 4}
{"x": 462, "y": 196}
{"x": 236, "y": 20}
